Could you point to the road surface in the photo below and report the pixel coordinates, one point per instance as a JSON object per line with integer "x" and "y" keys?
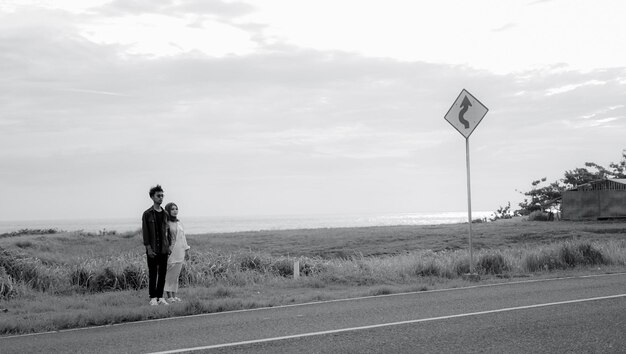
{"x": 580, "y": 314}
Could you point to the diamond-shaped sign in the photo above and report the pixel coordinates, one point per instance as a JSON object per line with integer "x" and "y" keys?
{"x": 465, "y": 114}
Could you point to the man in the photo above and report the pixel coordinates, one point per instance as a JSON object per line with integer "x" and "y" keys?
{"x": 156, "y": 239}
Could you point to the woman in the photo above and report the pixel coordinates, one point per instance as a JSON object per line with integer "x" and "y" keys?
{"x": 179, "y": 254}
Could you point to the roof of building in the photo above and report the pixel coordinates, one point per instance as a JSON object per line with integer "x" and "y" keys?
{"x": 593, "y": 185}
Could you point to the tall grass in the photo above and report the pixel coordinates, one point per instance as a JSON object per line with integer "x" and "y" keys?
{"x": 31, "y": 271}
{"x": 128, "y": 271}
{"x": 6, "y": 285}
{"x": 572, "y": 254}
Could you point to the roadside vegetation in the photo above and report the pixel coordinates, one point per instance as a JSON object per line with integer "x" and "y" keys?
{"x": 29, "y": 232}
{"x": 542, "y": 200}
{"x": 74, "y": 279}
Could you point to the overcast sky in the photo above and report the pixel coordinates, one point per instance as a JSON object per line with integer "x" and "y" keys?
{"x": 298, "y": 107}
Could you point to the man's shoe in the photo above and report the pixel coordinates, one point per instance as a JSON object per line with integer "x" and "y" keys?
{"x": 153, "y": 301}
{"x": 162, "y": 301}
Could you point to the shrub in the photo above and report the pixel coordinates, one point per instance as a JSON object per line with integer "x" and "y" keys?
{"x": 564, "y": 256}
{"x": 24, "y": 244}
{"x": 538, "y": 215}
{"x": 312, "y": 266}
{"x": 462, "y": 266}
{"x": 6, "y": 285}
{"x": 104, "y": 281}
{"x": 29, "y": 232}
{"x": 535, "y": 262}
{"x": 591, "y": 255}
{"x": 570, "y": 256}
{"x": 253, "y": 262}
{"x": 493, "y": 264}
{"x": 186, "y": 277}
{"x": 134, "y": 277}
{"x": 30, "y": 271}
{"x": 581, "y": 254}
{"x": 428, "y": 269}
{"x": 283, "y": 267}
{"x": 80, "y": 276}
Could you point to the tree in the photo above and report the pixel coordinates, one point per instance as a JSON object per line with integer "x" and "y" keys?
{"x": 542, "y": 197}
{"x": 619, "y": 168}
{"x": 580, "y": 176}
{"x": 615, "y": 170}
{"x": 504, "y": 212}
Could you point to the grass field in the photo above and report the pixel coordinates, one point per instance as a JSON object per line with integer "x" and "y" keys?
{"x": 73, "y": 279}
{"x": 390, "y": 240}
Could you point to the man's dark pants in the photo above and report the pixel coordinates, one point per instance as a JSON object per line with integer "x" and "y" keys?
{"x": 157, "y": 268}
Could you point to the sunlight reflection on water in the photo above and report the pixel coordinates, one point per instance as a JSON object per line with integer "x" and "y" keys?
{"x": 196, "y": 225}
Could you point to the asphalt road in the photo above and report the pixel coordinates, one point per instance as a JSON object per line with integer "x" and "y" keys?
{"x": 583, "y": 314}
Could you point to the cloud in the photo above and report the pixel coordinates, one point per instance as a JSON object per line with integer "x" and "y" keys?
{"x": 210, "y": 27}
{"x": 571, "y": 87}
{"x": 217, "y": 8}
{"x": 537, "y": 2}
{"x": 290, "y": 89}
{"x": 604, "y": 111}
{"x": 94, "y": 92}
{"x": 505, "y": 27}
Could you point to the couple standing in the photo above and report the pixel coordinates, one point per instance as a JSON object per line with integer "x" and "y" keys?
{"x": 166, "y": 248}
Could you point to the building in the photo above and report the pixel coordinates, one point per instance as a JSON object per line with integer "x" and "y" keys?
{"x": 601, "y": 199}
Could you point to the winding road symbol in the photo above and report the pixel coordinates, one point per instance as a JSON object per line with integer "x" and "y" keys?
{"x": 464, "y": 107}
{"x": 465, "y": 113}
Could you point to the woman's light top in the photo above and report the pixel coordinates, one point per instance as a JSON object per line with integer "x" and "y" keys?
{"x": 179, "y": 242}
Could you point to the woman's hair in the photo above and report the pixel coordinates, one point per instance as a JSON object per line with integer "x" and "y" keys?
{"x": 168, "y": 208}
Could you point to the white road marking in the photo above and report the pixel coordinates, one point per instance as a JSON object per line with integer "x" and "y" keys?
{"x": 352, "y": 329}
{"x": 319, "y": 302}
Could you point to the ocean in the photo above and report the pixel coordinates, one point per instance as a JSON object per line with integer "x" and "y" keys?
{"x": 201, "y": 225}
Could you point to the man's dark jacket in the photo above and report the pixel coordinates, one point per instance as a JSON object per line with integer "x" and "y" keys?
{"x": 149, "y": 227}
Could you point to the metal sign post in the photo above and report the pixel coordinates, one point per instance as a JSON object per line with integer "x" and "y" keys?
{"x": 469, "y": 205}
{"x": 465, "y": 115}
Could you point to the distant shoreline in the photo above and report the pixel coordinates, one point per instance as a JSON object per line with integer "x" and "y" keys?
{"x": 206, "y": 225}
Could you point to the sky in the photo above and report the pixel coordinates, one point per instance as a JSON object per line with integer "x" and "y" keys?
{"x": 283, "y": 107}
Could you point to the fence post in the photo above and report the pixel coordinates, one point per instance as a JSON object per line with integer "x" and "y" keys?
{"x": 296, "y": 269}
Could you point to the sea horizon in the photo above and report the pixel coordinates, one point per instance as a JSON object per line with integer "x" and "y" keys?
{"x": 224, "y": 224}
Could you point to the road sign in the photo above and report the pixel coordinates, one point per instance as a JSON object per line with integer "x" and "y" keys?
{"x": 465, "y": 114}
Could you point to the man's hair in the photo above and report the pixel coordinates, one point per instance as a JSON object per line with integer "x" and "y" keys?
{"x": 155, "y": 189}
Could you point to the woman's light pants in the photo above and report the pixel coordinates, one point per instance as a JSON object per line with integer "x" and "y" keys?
{"x": 171, "y": 277}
